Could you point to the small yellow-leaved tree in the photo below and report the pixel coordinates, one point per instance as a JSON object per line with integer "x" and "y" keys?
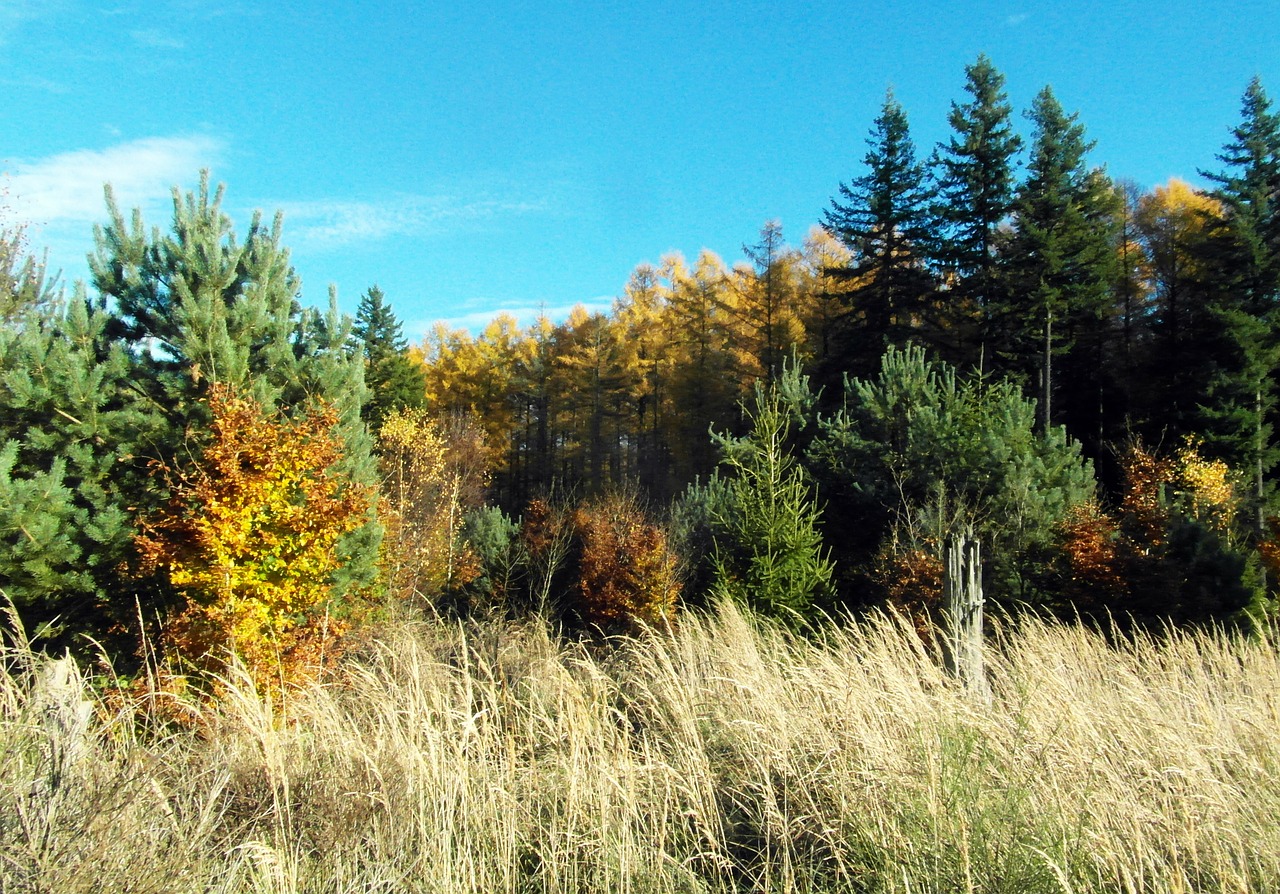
{"x": 432, "y": 472}
{"x": 250, "y": 540}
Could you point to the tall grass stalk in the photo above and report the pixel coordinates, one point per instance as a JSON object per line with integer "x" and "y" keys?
{"x": 726, "y": 756}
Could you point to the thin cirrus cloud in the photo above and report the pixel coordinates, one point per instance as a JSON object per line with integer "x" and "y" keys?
{"x": 14, "y": 14}
{"x": 524, "y": 316}
{"x": 35, "y": 82}
{"x": 340, "y": 223}
{"x": 60, "y": 197}
{"x": 66, "y": 189}
{"x": 155, "y": 39}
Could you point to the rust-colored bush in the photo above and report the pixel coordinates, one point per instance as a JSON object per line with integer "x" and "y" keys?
{"x": 1093, "y": 555}
{"x": 912, "y": 580}
{"x": 626, "y": 569}
{"x": 1143, "y": 514}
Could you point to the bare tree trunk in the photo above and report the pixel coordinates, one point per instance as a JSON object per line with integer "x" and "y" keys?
{"x": 1260, "y": 488}
{"x": 964, "y": 607}
{"x": 1047, "y": 384}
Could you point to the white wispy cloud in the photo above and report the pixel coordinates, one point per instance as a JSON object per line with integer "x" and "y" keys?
{"x": 155, "y": 39}
{"x": 1014, "y": 20}
{"x": 60, "y": 197}
{"x": 14, "y": 14}
{"x": 67, "y": 188}
{"x": 35, "y": 82}
{"x": 216, "y": 9}
{"x": 329, "y": 224}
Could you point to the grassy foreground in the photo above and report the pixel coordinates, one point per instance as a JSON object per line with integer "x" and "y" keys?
{"x": 725, "y": 757}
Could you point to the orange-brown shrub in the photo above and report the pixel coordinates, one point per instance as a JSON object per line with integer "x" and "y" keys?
{"x": 250, "y": 539}
{"x": 1094, "y": 558}
{"x": 627, "y": 572}
{"x": 912, "y": 581}
{"x": 1144, "y": 516}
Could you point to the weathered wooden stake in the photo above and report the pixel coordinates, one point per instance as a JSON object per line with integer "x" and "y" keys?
{"x": 964, "y": 609}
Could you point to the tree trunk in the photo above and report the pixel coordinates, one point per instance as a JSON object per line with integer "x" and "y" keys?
{"x": 1260, "y": 494}
{"x": 965, "y": 609}
{"x": 1047, "y": 383}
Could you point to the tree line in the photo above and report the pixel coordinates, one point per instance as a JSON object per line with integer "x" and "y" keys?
{"x": 996, "y": 335}
{"x": 1138, "y": 324}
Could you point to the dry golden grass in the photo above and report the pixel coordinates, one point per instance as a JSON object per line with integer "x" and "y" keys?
{"x": 724, "y": 757}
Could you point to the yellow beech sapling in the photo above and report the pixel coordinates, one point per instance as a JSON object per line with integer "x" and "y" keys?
{"x": 250, "y": 540}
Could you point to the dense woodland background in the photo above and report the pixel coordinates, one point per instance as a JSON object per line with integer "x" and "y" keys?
{"x": 991, "y": 334}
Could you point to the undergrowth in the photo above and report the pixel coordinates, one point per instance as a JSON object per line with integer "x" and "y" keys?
{"x": 723, "y": 756}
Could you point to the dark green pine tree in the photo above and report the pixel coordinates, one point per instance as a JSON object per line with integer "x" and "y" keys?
{"x": 974, "y": 172}
{"x": 394, "y": 381}
{"x": 918, "y": 454}
{"x": 70, "y": 422}
{"x": 883, "y": 217}
{"x": 198, "y": 305}
{"x": 1242, "y": 263}
{"x": 1057, "y": 272}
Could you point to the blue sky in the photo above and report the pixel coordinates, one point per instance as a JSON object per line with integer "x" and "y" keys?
{"x": 525, "y": 155}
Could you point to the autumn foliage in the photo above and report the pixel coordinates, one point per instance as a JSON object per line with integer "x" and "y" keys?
{"x": 432, "y": 473}
{"x": 250, "y": 539}
{"x": 627, "y": 572}
{"x": 604, "y": 565}
{"x": 1170, "y": 545}
{"x": 1094, "y": 554}
{"x": 912, "y": 581}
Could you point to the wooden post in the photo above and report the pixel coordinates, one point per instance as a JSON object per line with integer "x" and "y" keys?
{"x": 964, "y": 609}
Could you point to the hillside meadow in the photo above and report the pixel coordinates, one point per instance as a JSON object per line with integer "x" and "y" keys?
{"x": 725, "y": 755}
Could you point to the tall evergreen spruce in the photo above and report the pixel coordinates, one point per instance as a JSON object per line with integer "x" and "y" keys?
{"x": 393, "y": 380}
{"x": 883, "y": 217}
{"x": 1058, "y": 272}
{"x": 768, "y": 552}
{"x": 1242, "y": 257}
{"x": 1250, "y": 188}
{"x": 975, "y": 180}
